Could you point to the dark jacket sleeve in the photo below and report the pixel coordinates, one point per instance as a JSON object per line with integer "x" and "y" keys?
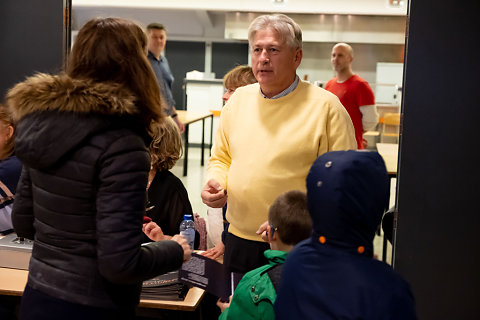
{"x": 22, "y": 213}
{"x": 120, "y": 208}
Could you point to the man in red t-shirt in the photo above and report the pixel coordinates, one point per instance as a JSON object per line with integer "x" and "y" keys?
{"x": 354, "y": 92}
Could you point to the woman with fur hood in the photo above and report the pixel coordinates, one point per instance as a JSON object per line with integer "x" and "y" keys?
{"x": 82, "y": 138}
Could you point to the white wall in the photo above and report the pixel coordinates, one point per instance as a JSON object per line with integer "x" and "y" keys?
{"x": 316, "y": 60}
{"x": 364, "y": 7}
{"x": 330, "y": 27}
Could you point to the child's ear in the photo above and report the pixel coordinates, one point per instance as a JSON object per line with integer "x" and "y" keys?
{"x": 273, "y": 237}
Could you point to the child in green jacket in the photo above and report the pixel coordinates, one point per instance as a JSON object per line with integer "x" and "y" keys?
{"x": 289, "y": 223}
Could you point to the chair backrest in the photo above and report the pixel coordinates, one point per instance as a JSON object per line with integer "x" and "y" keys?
{"x": 390, "y": 126}
{"x": 392, "y": 119}
{"x": 201, "y": 228}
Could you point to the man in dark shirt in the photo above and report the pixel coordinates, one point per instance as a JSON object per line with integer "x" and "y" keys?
{"x": 157, "y": 39}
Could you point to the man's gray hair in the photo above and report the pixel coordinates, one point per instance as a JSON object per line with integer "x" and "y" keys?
{"x": 284, "y": 25}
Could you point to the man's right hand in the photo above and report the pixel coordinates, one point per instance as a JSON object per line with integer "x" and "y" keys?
{"x": 213, "y": 195}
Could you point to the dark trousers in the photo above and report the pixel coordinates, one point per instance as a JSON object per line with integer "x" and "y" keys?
{"x": 242, "y": 255}
{"x": 36, "y": 305}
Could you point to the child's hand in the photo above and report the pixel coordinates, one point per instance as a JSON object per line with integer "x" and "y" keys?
{"x": 215, "y": 252}
{"x": 224, "y": 305}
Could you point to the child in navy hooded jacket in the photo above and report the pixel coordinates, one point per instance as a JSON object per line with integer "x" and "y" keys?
{"x": 332, "y": 275}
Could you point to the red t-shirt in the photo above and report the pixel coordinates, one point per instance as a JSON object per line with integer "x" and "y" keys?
{"x": 353, "y": 93}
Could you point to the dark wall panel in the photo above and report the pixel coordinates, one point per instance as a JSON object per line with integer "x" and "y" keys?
{"x": 226, "y": 56}
{"x": 437, "y": 244}
{"x": 31, "y": 39}
{"x": 184, "y": 57}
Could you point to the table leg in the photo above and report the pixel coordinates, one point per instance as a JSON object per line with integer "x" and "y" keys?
{"x": 384, "y": 248}
{"x": 211, "y": 134}
{"x": 203, "y": 143}
{"x": 185, "y": 155}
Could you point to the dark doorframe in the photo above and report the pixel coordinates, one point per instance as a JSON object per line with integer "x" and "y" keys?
{"x": 31, "y": 40}
{"x": 437, "y": 238}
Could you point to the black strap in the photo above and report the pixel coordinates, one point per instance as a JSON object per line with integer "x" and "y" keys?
{"x": 275, "y": 274}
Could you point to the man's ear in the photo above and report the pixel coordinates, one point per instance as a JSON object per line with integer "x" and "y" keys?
{"x": 298, "y": 57}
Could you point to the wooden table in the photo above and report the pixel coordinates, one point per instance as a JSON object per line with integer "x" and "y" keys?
{"x": 389, "y": 153}
{"x": 13, "y": 281}
{"x": 187, "y": 118}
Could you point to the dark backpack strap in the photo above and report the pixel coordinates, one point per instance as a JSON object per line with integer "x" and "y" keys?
{"x": 275, "y": 274}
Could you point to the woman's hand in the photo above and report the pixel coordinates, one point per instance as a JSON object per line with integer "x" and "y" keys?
{"x": 187, "y": 251}
{"x": 153, "y": 231}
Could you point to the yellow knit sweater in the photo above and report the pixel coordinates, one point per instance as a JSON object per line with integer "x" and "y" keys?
{"x": 264, "y": 147}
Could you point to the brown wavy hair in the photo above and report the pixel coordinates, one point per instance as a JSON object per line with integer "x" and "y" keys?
{"x": 166, "y": 146}
{"x": 238, "y": 77}
{"x": 114, "y": 50}
{"x": 7, "y": 121}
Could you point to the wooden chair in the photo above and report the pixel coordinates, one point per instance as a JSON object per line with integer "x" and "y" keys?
{"x": 390, "y": 126}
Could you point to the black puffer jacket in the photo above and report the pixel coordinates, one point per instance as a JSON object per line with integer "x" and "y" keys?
{"x": 81, "y": 195}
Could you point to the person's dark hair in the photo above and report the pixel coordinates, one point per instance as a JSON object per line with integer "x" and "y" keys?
{"x": 7, "y": 121}
{"x": 156, "y": 26}
{"x": 289, "y": 214}
{"x": 114, "y": 50}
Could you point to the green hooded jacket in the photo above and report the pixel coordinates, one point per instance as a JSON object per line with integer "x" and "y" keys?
{"x": 255, "y": 294}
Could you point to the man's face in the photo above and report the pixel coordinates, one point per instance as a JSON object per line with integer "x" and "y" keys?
{"x": 341, "y": 58}
{"x": 274, "y": 63}
{"x": 156, "y": 41}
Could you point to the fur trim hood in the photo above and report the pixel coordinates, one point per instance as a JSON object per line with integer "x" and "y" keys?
{"x": 57, "y": 114}
{"x": 44, "y": 92}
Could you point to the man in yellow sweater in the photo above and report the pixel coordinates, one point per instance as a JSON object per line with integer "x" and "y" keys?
{"x": 269, "y": 135}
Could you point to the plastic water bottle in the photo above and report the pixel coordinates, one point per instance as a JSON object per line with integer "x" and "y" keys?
{"x": 187, "y": 229}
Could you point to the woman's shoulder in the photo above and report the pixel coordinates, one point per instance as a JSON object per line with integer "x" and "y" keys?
{"x": 170, "y": 180}
{"x": 10, "y": 164}
{"x": 11, "y": 161}
{"x": 10, "y": 170}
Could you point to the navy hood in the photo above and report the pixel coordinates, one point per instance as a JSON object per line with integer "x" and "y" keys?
{"x": 347, "y": 194}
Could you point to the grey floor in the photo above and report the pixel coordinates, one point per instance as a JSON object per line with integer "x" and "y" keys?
{"x": 195, "y": 180}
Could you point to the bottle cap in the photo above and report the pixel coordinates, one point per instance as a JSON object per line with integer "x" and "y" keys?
{"x": 187, "y": 217}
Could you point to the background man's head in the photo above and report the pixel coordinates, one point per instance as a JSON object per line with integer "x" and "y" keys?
{"x": 289, "y": 217}
{"x": 276, "y": 44}
{"x": 157, "y": 38}
{"x": 342, "y": 57}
